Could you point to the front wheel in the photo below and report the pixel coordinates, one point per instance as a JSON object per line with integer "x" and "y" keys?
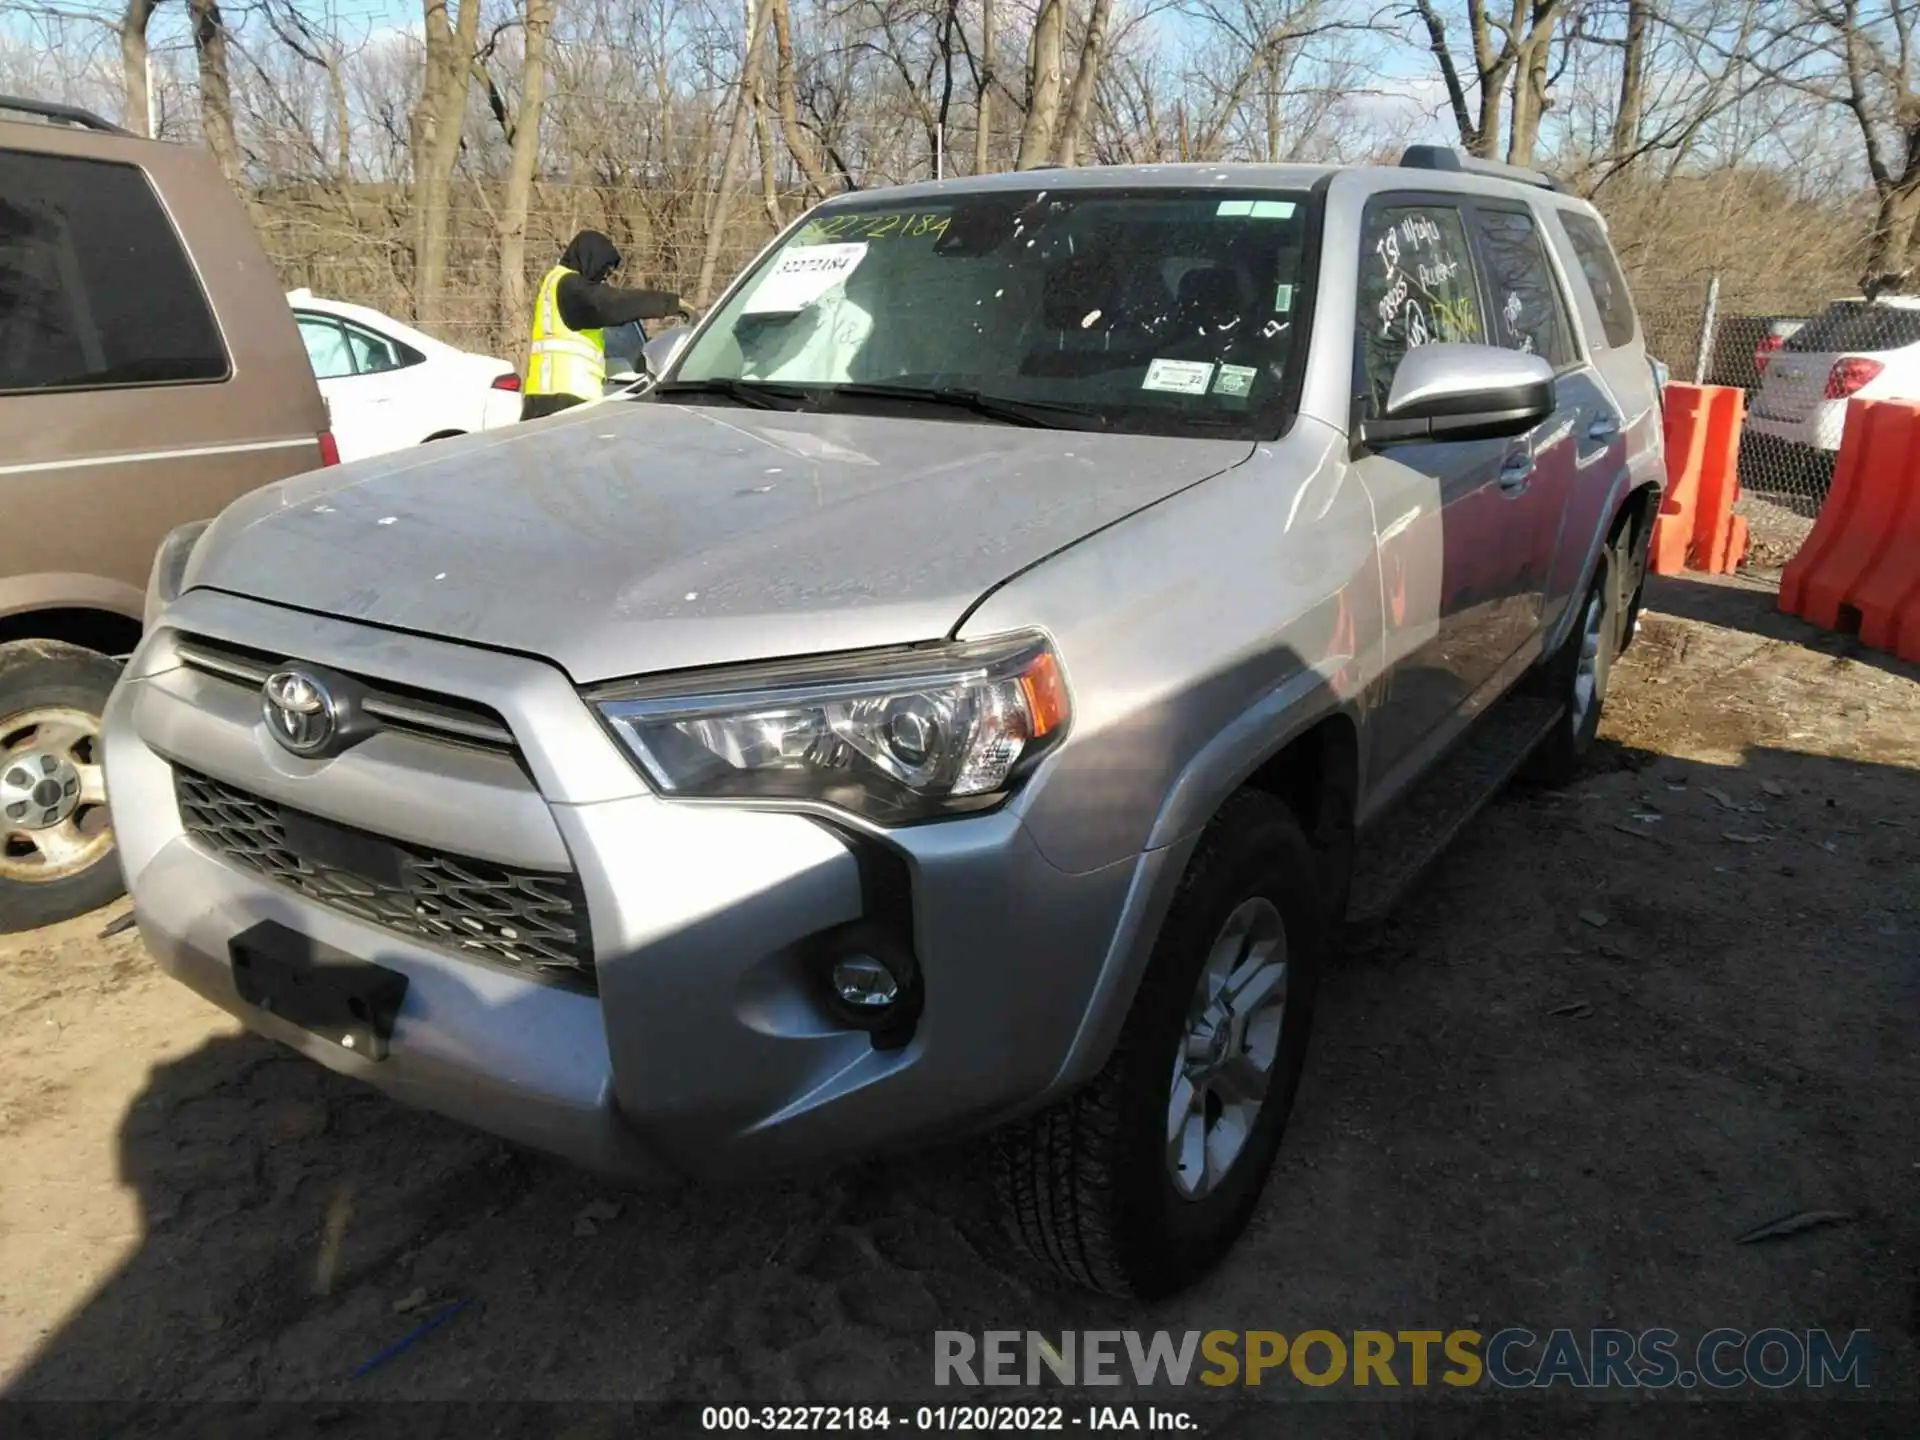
{"x": 1140, "y": 1183}
{"x": 57, "y": 858}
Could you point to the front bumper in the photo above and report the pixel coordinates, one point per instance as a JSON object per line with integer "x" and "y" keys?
{"x": 708, "y": 1049}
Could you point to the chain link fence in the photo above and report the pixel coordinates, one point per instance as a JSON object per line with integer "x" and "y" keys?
{"x": 1719, "y": 331}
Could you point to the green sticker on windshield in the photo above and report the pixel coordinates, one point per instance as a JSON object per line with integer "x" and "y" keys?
{"x": 1272, "y": 210}
{"x": 1235, "y": 207}
{"x": 1236, "y": 380}
{"x": 1282, "y": 299}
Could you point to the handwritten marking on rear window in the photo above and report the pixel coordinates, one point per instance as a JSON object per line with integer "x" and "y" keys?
{"x": 1418, "y": 271}
{"x": 1455, "y": 317}
{"x": 1511, "y": 312}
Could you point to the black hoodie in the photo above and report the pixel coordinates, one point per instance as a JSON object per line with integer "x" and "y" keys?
{"x": 587, "y": 302}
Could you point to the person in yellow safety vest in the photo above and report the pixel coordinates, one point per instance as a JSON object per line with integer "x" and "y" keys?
{"x": 567, "y": 361}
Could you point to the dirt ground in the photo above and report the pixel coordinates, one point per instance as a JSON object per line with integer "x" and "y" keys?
{"x": 1617, "y": 1027}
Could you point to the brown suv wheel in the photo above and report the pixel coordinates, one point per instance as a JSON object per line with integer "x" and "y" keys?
{"x": 57, "y": 859}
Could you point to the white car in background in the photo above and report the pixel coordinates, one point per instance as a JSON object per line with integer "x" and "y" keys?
{"x": 389, "y": 386}
{"x": 1854, "y": 349}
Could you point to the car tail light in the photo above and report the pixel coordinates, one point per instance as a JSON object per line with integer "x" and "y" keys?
{"x": 1763, "y": 352}
{"x": 1849, "y": 374}
{"x": 508, "y": 381}
{"x": 329, "y": 449}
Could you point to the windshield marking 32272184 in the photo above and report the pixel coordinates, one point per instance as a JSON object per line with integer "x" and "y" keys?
{"x": 1158, "y": 312}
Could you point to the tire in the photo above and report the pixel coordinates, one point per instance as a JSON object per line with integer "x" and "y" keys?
{"x": 56, "y": 856}
{"x": 1088, "y": 1186}
{"x": 1633, "y": 560}
{"x": 1578, "y": 673}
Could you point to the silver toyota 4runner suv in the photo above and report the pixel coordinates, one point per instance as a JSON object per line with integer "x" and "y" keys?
{"x": 965, "y": 692}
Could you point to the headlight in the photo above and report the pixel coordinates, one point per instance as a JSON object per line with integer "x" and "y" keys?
{"x": 170, "y": 567}
{"x": 903, "y": 736}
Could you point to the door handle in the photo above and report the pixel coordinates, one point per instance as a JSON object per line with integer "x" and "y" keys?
{"x": 1515, "y": 471}
{"x": 1603, "y": 428}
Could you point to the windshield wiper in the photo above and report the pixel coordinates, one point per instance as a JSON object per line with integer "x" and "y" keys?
{"x": 1042, "y": 414}
{"x": 746, "y": 392}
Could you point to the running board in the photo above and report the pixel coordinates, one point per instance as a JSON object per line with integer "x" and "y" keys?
{"x": 1400, "y": 844}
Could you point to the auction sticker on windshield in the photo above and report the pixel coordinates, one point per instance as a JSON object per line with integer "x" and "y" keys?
{"x": 801, "y": 277}
{"x": 1235, "y": 380}
{"x": 1180, "y": 377}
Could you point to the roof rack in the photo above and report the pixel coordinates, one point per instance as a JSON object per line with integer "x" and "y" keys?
{"x": 1440, "y": 157}
{"x": 59, "y": 114}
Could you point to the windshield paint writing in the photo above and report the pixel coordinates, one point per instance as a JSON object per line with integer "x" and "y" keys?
{"x": 1147, "y": 311}
{"x": 895, "y": 225}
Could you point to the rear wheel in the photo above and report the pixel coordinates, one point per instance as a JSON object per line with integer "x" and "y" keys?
{"x": 1578, "y": 674}
{"x": 1139, "y": 1183}
{"x": 57, "y": 858}
{"x": 1632, "y": 556}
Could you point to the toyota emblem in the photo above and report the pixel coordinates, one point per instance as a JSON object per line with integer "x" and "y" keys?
{"x": 300, "y": 711}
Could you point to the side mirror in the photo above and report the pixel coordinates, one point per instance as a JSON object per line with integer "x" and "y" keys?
{"x": 659, "y": 353}
{"x": 1463, "y": 392}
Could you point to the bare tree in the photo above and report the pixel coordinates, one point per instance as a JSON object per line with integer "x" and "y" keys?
{"x": 1086, "y": 78}
{"x": 438, "y": 116}
{"x": 735, "y": 157}
{"x": 799, "y": 143}
{"x": 1499, "y": 45}
{"x": 983, "y": 92}
{"x": 320, "y": 48}
{"x": 134, "y": 58}
{"x": 1531, "y": 48}
{"x": 536, "y": 27}
{"x": 1045, "y": 60}
{"x": 216, "y": 89}
{"x": 1630, "y": 110}
{"x": 1869, "y": 47}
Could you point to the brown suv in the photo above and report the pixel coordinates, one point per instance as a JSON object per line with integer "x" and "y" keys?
{"x": 150, "y": 372}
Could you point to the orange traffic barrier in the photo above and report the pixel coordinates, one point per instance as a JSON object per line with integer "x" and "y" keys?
{"x": 1696, "y": 528}
{"x": 1863, "y": 557}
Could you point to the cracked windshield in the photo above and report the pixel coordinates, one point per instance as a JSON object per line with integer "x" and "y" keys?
{"x": 1163, "y": 314}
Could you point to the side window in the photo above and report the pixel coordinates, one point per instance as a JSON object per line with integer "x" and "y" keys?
{"x": 1416, "y": 287}
{"x": 1527, "y": 311}
{"x": 94, "y": 287}
{"x": 326, "y": 347}
{"x": 373, "y": 352}
{"x": 1603, "y": 276}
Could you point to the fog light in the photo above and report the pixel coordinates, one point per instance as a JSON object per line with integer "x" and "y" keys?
{"x": 864, "y": 983}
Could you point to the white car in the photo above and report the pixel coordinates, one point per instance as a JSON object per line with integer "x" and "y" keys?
{"x": 388, "y": 386}
{"x": 1865, "y": 349}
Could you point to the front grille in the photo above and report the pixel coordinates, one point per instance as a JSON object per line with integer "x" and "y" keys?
{"x": 531, "y": 921}
{"x": 442, "y": 718}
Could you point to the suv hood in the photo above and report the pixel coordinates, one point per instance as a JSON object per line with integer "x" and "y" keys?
{"x": 628, "y": 537}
